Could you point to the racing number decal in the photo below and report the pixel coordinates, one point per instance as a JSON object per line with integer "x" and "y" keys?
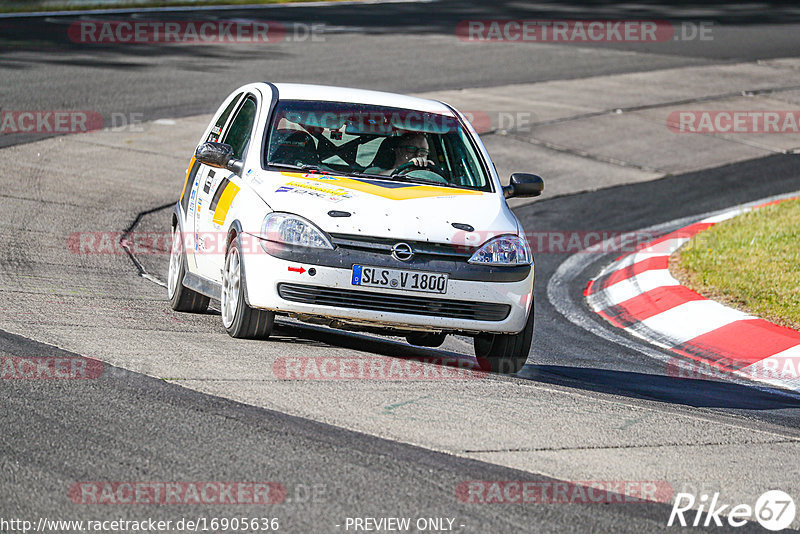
{"x": 221, "y": 202}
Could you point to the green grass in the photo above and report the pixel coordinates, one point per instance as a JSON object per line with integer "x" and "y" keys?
{"x": 751, "y": 262}
{"x": 19, "y": 6}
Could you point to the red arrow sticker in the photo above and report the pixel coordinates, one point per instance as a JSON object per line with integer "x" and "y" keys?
{"x": 297, "y": 270}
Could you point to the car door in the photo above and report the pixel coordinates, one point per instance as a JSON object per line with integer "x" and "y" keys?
{"x": 196, "y": 176}
{"x": 218, "y": 188}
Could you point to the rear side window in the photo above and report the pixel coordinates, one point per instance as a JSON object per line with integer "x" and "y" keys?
{"x": 238, "y": 135}
{"x": 216, "y": 130}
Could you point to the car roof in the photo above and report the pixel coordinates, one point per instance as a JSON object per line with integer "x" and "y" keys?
{"x": 327, "y": 93}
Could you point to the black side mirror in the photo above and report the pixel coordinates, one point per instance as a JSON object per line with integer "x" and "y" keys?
{"x": 218, "y": 155}
{"x": 524, "y": 185}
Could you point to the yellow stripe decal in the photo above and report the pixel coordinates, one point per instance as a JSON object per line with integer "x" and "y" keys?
{"x": 186, "y": 181}
{"x": 406, "y": 192}
{"x": 225, "y": 203}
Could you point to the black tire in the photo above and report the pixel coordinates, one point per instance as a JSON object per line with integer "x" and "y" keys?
{"x": 182, "y": 298}
{"x": 244, "y": 322}
{"x": 505, "y": 353}
{"x": 426, "y": 339}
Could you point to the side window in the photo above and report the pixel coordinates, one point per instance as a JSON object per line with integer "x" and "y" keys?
{"x": 216, "y": 130}
{"x": 367, "y": 151}
{"x": 238, "y": 134}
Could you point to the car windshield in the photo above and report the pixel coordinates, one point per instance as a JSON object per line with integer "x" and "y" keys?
{"x": 374, "y": 141}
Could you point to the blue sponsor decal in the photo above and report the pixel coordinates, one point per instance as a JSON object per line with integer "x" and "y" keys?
{"x": 283, "y": 189}
{"x": 357, "y": 275}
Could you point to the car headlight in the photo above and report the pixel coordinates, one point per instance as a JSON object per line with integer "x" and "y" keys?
{"x": 504, "y": 250}
{"x": 293, "y": 230}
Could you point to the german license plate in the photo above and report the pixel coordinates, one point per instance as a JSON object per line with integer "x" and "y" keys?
{"x": 425, "y": 282}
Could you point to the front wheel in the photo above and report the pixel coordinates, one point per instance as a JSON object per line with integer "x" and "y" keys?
{"x": 239, "y": 319}
{"x": 505, "y": 353}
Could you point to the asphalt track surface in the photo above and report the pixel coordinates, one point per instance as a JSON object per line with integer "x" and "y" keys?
{"x": 127, "y": 426}
{"x": 396, "y": 47}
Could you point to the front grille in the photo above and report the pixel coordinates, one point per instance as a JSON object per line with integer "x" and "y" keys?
{"x": 442, "y": 251}
{"x": 386, "y": 302}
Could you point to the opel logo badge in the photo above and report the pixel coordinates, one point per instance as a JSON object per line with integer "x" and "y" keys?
{"x": 402, "y": 252}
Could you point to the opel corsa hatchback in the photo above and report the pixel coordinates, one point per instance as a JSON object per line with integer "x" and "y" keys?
{"x": 356, "y": 209}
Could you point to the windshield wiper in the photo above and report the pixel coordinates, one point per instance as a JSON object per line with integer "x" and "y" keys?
{"x": 367, "y": 175}
{"x": 396, "y": 178}
{"x": 414, "y": 179}
{"x": 401, "y": 178}
{"x": 306, "y": 168}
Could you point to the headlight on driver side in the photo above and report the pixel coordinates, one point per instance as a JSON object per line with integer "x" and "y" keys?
{"x": 291, "y": 229}
{"x": 504, "y": 250}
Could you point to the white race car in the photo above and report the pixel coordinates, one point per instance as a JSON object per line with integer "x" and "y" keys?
{"x": 357, "y": 209}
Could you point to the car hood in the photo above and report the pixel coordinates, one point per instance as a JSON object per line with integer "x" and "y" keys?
{"x": 396, "y": 210}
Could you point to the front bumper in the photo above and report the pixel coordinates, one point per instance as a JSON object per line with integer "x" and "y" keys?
{"x": 478, "y": 299}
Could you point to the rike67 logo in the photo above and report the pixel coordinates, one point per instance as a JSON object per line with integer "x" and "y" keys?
{"x": 774, "y": 510}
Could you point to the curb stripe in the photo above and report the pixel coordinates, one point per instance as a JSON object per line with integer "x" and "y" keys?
{"x": 746, "y": 342}
{"x": 655, "y": 262}
{"x": 633, "y": 287}
{"x": 649, "y": 304}
{"x": 661, "y": 244}
{"x": 665, "y": 248}
{"x": 636, "y": 292}
{"x": 775, "y": 369}
{"x": 692, "y": 320}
